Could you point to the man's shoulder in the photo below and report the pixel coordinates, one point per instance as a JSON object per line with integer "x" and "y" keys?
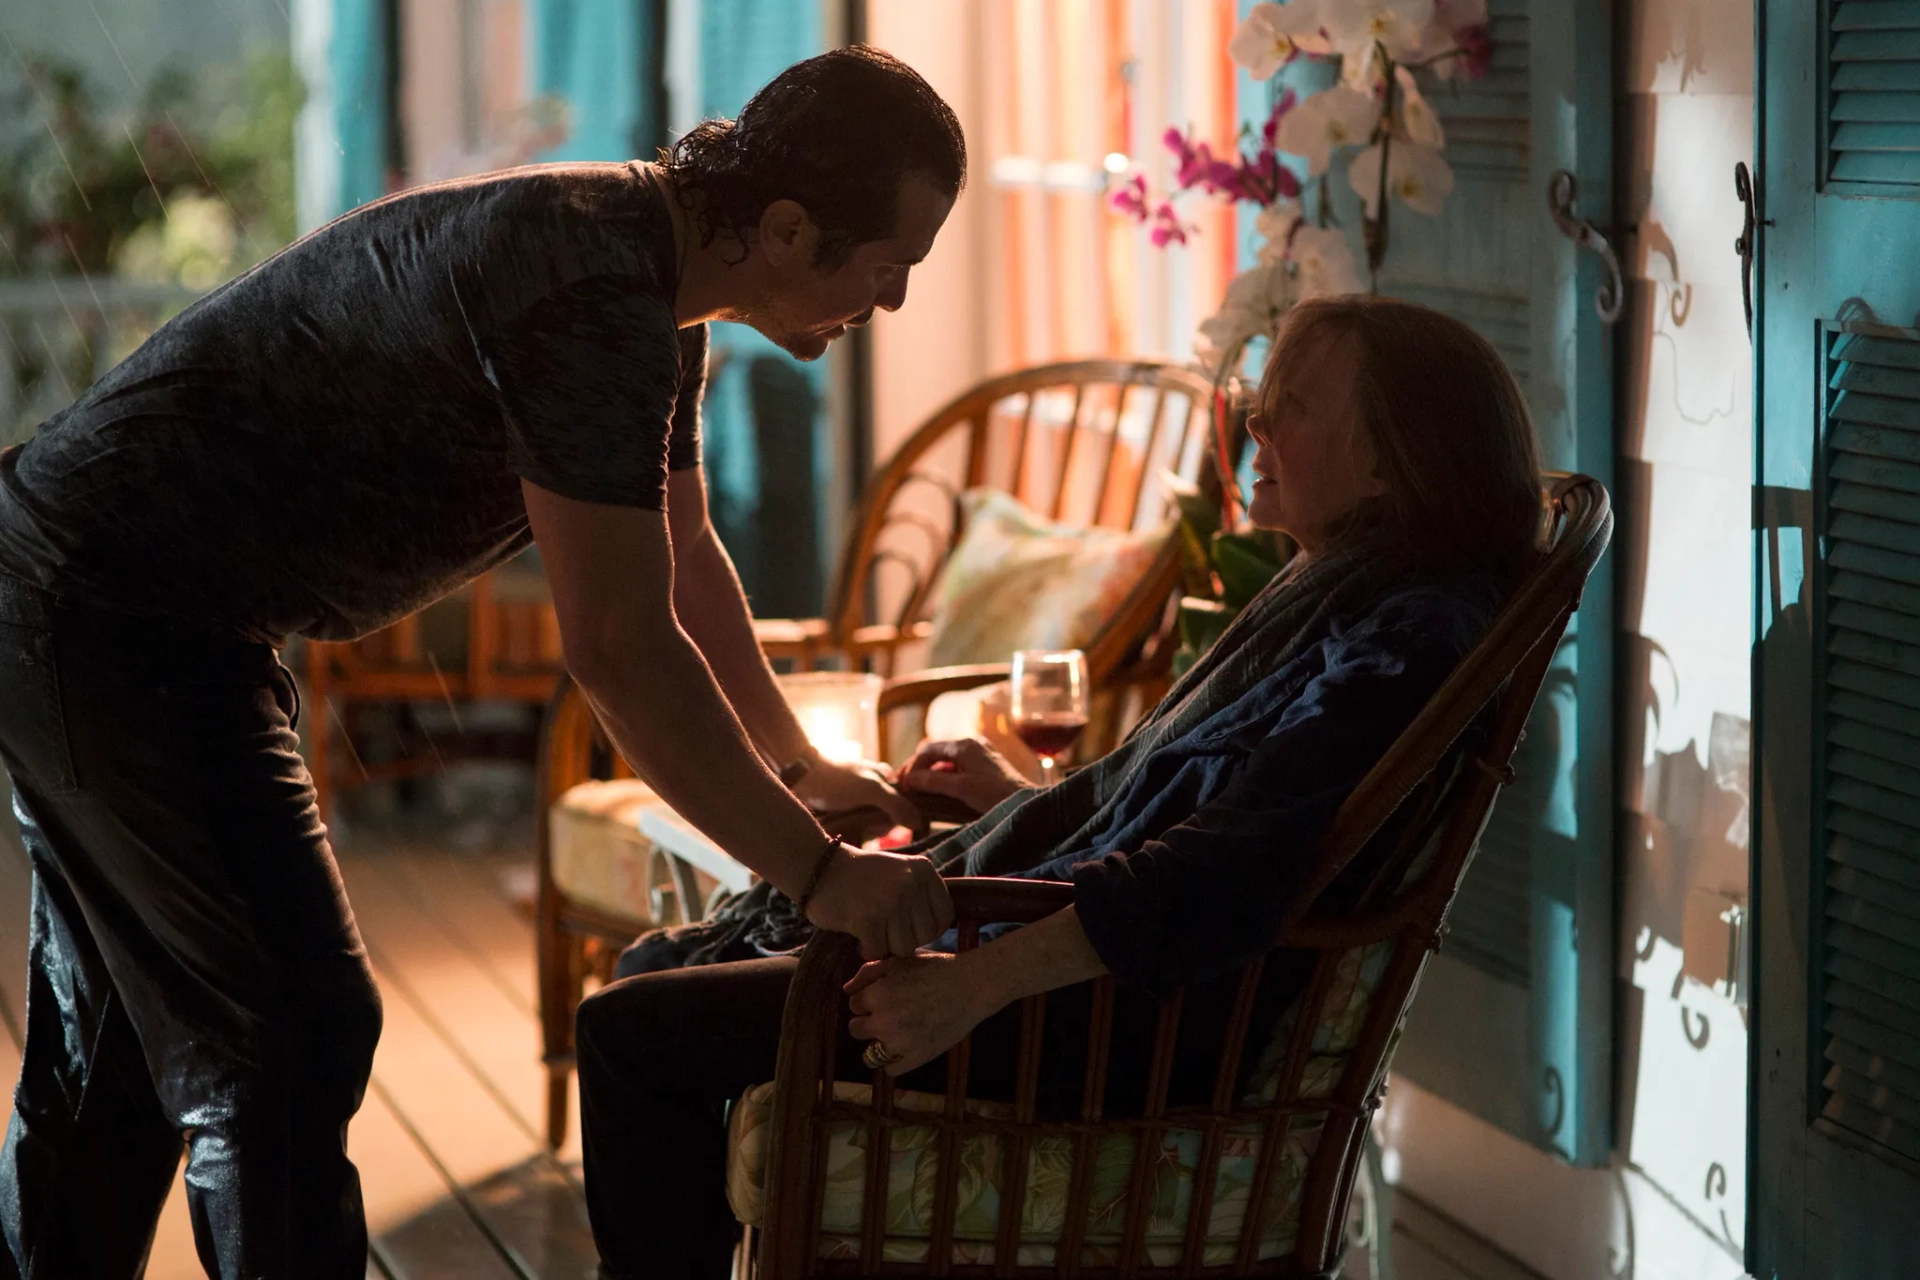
{"x": 565, "y": 221}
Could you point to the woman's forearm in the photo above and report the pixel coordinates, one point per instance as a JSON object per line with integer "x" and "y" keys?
{"x": 1049, "y": 953}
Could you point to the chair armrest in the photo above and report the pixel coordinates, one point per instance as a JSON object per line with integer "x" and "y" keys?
{"x": 922, "y": 687}
{"x": 884, "y": 636}
{"x": 791, "y": 637}
{"x": 1006, "y": 900}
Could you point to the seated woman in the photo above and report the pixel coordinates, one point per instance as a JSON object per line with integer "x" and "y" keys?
{"x": 1396, "y": 449}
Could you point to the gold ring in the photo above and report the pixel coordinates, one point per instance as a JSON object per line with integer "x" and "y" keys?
{"x": 878, "y": 1056}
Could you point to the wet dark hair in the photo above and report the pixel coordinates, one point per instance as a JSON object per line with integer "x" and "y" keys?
{"x": 1452, "y": 437}
{"x": 837, "y": 134}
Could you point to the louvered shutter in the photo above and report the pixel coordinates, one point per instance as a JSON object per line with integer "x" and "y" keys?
{"x": 1836, "y": 999}
{"x": 1873, "y": 92}
{"x": 1470, "y": 264}
{"x": 1514, "y": 1021}
{"x": 1870, "y": 974}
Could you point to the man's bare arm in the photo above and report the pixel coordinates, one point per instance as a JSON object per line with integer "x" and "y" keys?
{"x": 711, "y": 606}
{"x": 611, "y": 570}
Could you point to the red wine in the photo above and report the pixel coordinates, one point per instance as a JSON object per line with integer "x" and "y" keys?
{"x": 1053, "y": 736}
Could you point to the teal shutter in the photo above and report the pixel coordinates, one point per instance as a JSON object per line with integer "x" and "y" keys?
{"x": 602, "y": 58}
{"x": 1836, "y": 1086}
{"x": 361, "y": 58}
{"x": 345, "y": 137}
{"x": 1514, "y": 1019}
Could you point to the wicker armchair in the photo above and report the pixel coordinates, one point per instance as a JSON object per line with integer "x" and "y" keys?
{"x": 1255, "y": 1183}
{"x": 1078, "y": 441}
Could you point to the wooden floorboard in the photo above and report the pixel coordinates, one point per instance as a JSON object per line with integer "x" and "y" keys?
{"x": 467, "y": 898}
{"x": 452, "y": 983}
{"x": 418, "y": 1225}
{"x": 459, "y": 1064}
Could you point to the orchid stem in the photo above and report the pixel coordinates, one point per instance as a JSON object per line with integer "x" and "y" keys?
{"x": 1376, "y": 228}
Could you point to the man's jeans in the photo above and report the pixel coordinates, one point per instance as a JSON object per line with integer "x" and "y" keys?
{"x": 195, "y": 975}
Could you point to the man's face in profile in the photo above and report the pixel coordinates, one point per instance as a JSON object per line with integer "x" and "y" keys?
{"x": 807, "y": 306}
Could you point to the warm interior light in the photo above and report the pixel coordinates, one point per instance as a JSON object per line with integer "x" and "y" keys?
{"x": 831, "y": 731}
{"x": 839, "y": 710}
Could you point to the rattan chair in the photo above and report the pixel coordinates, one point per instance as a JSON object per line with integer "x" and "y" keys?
{"x": 1258, "y": 1181}
{"x": 509, "y": 651}
{"x": 1081, "y": 442}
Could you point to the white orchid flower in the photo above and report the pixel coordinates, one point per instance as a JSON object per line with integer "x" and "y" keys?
{"x": 1274, "y": 34}
{"x": 1362, "y": 72}
{"x": 1336, "y": 117}
{"x": 1416, "y": 176}
{"x": 1398, "y": 26}
{"x": 1254, "y": 302}
{"x": 1418, "y": 120}
{"x": 1274, "y": 226}
{"x": 1324, "y": 262}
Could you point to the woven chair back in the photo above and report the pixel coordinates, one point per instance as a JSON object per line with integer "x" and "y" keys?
{"x": 1083, "y": 443}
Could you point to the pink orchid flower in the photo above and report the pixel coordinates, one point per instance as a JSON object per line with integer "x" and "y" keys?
{"x": 1131, "y": 198}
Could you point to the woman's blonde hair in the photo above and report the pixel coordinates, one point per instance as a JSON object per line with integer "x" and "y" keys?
{"x": 1452, "y": 437}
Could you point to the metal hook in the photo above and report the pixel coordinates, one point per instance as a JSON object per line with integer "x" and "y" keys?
{"x": 1611, "y": 298}
{"x": 1744, "y": 246}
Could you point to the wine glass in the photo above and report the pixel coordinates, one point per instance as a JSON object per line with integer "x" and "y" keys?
{"x": 1049, "y": 708}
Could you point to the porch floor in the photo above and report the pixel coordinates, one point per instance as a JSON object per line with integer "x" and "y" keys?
{"x": 456, "y": 1177}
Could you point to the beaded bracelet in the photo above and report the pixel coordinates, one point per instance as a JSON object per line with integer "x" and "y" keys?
{"x": 819, "y": 869}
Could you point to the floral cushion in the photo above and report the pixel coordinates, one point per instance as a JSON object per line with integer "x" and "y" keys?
{"x": 1015, "y": 581}
{"x": 600, "y": 859}
{"x": 913, "y": 1163}
{"x": 913, "y": 1167}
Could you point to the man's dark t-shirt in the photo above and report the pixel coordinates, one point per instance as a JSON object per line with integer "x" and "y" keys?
{"x": 337, "y": 437}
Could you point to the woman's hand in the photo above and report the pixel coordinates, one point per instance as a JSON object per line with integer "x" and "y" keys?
{"x": 918, "y": 1006}
{"x": 830, "y": 788}
{"x": 966, "y": 768}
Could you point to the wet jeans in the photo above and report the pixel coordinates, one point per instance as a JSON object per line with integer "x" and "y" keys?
{"x": 195, "y": 977}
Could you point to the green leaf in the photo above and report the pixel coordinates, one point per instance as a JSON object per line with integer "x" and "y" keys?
{"x": 1202, "y": 621}
{"x": 1245, "y": 564}
{"x": 1197, "y": 511}
{"x": 1196, "y": 561}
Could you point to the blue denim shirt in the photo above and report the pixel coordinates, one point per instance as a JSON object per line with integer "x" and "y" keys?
{"x": 1207, "y": 850}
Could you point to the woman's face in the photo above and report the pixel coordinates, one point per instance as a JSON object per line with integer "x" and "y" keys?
{"x": 1314, "y": 463}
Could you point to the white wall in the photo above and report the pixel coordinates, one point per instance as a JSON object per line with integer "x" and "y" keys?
{"x": 1672, "y": 1204}
{"x": 935, "y": 347}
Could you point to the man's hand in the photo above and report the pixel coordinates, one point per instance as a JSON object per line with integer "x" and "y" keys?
{"x": 966, "y": 768}
{"x": 838, "y": 788}
{"x": 891, "y": 902}
{"x": 917, "y": 1006}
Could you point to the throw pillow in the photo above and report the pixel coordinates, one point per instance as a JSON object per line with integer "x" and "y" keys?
{"x": 1016, "y": 581}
